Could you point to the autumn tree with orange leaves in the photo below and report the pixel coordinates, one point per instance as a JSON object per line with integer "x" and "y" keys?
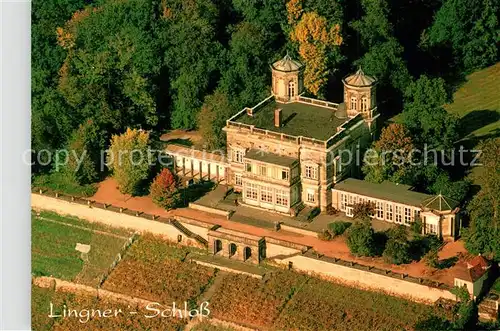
{"x": 163, "y": 189}
{"x": 317, "y": 40}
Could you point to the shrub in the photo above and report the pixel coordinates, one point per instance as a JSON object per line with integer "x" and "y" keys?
{"x": 416, "y": 226}
{"x": 431, "y": 258}
{"x": 330, "y": 210}
{"x": 164, "y": 189}
{"x": 397, "y": 248}
{"x": 325, "y": 235}
{"x": 338, "y": 228}
{"x": 363, "y": 210}
{"x": 360, "y": 239}
{"x": 315, "y": 212}
{"x": 127, "y": 158}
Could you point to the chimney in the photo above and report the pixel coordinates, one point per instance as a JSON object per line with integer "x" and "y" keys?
{"x": 278, "y": 117}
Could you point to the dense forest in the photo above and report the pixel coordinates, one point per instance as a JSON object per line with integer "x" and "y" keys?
{"x": 100, "y": 67}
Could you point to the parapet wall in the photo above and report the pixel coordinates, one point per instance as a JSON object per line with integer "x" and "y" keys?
{"x": 366, "y": 279}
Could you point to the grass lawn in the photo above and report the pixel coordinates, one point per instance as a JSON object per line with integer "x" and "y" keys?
{"x": 477, "y": 102}
{"x": 59, "y": 182}
{"x": 54, "y": 254}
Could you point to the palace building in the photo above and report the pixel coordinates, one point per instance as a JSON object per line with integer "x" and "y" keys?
{"x": 290, "y": 151}
{"x": 284, "y": 151}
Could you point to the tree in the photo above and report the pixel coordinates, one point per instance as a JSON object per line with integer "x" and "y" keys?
{"x": 429, "y": 123}
{"x": 212, "y": 118}
{"x": 360, "y": 239}
{"x": 318, "y": 42}
{"x": 84, "y": 159}
{"x": 113, "y": 58}
{"x": 192, "y": 56}
{"x": 128, "y": 159}
{"x": 483, "y": 235}
{"x": 471, "y": 28}
{"x": 392, "y": 158}
{"x": 246, "y": 79}
{"x": 397, "y": 249}
{"x": 383, "y": 57}
{"x": 163, "y": 189}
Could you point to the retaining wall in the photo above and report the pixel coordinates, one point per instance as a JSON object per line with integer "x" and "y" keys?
{"x": 298, "y": 230}
{"x": 109, "y": 217}
{"x": 367, "y": 280}
{"x": 212, "y": 210}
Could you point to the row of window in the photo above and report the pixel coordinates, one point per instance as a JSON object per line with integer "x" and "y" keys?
{"x": 364, "y": 103}
{"x": 270, "y": 172}
{"x": 383, "y": 210}
{"x": 267, "y": 195}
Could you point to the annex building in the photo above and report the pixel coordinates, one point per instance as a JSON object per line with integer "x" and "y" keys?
{"x": 287, "y": 152}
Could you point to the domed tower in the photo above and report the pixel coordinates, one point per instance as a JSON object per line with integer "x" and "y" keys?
{"x": 359, "y": 94}
{"x": 288, "y": 80}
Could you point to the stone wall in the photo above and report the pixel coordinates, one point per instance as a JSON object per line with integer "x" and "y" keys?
{"x": 274, "y": 250}
{"x": 367, "y": 280}
{"x": 109, "y": 217}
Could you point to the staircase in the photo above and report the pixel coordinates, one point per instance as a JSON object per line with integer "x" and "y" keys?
{"x": 188, "y": 232}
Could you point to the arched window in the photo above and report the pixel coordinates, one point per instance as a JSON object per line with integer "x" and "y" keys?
{"x": 354, "y": 101}
{"x": 364, "y": 104}
{"x": 232, "y": 249}
{"x": 247, "y": 253}
{"x": 291, "y": 89}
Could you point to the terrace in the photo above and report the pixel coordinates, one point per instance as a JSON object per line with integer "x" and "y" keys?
{"x": 303, "y": 118}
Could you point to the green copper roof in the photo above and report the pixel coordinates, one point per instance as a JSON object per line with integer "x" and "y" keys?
{"x": 440, "y": 202}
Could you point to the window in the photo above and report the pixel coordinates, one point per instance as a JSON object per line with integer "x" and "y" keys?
{"x": 284, "y": 174}
{"x": 417, "y": 214}
{"x": 238, "y": 155}
{"x": 311, "y": 172}
{"x": 291, "y": 89}
{"x": 248, "y": 167}
{"x": 266, "y": 194}
{"x": 238, "y": 180}
{"x": 364, "y": 104}
{"x": 353, "y": 103}
{"x": 399, "y": 214}
{"x": 389, "y": 210}
{"x": 311, "y": 196}
{"x": 343, "y": 201}
{"x": 251, "y": 192}
{"x": 262, "y": 170}
{"x": 281, "y": 197}
{"x": 379, "y": 209}
{"x": 407, "y": 216}
{"x": 431, "y": 228}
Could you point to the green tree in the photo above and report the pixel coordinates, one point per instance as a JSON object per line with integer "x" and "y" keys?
{"x": 163, "y": 189}
{"x": 212, "y": 118}
{"x": 383, "y": 57}
{"x": 246, "y": 78}
{"x": 397, "y": 249}
{"x": 483, "y": 234}
{"x": 191, "y": 55}
{"x": 391, "y": 159}
{"x": 84, "y": 159}
{"x": 112, "y": 60}
{"x": 360, "y": 239}
{"x": 471, "y": 28}
{"x": 128, "y": 160}
{"x": 429, "y": 123}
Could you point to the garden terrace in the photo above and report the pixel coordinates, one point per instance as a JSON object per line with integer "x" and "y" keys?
{"x": 299, "y": 119}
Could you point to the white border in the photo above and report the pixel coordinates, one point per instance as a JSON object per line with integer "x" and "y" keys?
{"x": 15, "y": 96}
